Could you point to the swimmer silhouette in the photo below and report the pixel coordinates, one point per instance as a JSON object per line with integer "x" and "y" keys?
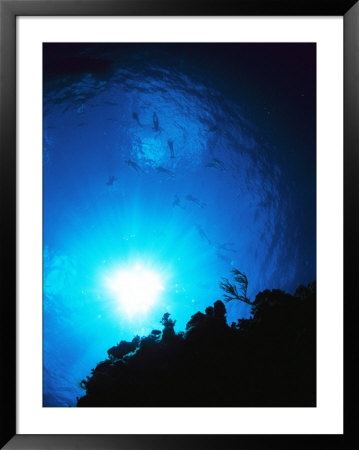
{"x": 134, "y": 165}
{"x": 195, "y": 200}
{"x": 177, "y": 202}
{"x": 111, "y": 180}
{"x": 156, "y": 124}
{"x": 219, "y": 163}
{"x": 170, "y": 145}
{"x": 203, "y": 234}
{"x": 216, "y": 164}
{"x": 135, "y": 116}
{"x": 227, "y": 247}
{"x": 161, "y": 169}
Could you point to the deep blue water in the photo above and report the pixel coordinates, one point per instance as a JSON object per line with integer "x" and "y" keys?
{"x": 226, "y": 180}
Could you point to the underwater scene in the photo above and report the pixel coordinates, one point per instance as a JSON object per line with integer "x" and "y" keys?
{"x": 179, "y": 224}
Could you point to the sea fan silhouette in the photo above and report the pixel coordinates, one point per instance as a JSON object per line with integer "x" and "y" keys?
{"x": 232, "y": 291}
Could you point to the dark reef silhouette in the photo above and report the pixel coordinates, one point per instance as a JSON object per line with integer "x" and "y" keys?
{"x": 268, "y": 360}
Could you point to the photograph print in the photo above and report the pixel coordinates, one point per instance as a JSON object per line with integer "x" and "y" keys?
{"x": 179, "y": 225}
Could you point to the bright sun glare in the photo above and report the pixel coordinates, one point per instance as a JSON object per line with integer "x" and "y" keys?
{"x": 136, "y": 289}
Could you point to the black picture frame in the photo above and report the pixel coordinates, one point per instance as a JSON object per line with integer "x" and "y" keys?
{"x": 9, "y": 10}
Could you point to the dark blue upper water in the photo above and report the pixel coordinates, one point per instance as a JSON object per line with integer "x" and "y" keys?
{"x": 222, "y": 176}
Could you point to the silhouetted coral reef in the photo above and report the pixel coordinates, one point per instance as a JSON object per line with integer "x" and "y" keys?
{"x": 267, "y": 360}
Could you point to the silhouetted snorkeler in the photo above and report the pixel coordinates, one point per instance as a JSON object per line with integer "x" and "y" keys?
{"x": 203, "y": 234}
{"x": 216, "y": 164}
{"x": 166, "y": 171}
{"x": 156, "y": 124}
{"x": 170, "y": 145}
{"x": 134, "y": 165}
{"x": 220, "y": 163}
{"x": 111, "y": 180}
{"x": 135, "y": 116}
{"x": 177, "y": 202}
{"x": 195, "y": 200}
{"x": 227, "y": 247}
